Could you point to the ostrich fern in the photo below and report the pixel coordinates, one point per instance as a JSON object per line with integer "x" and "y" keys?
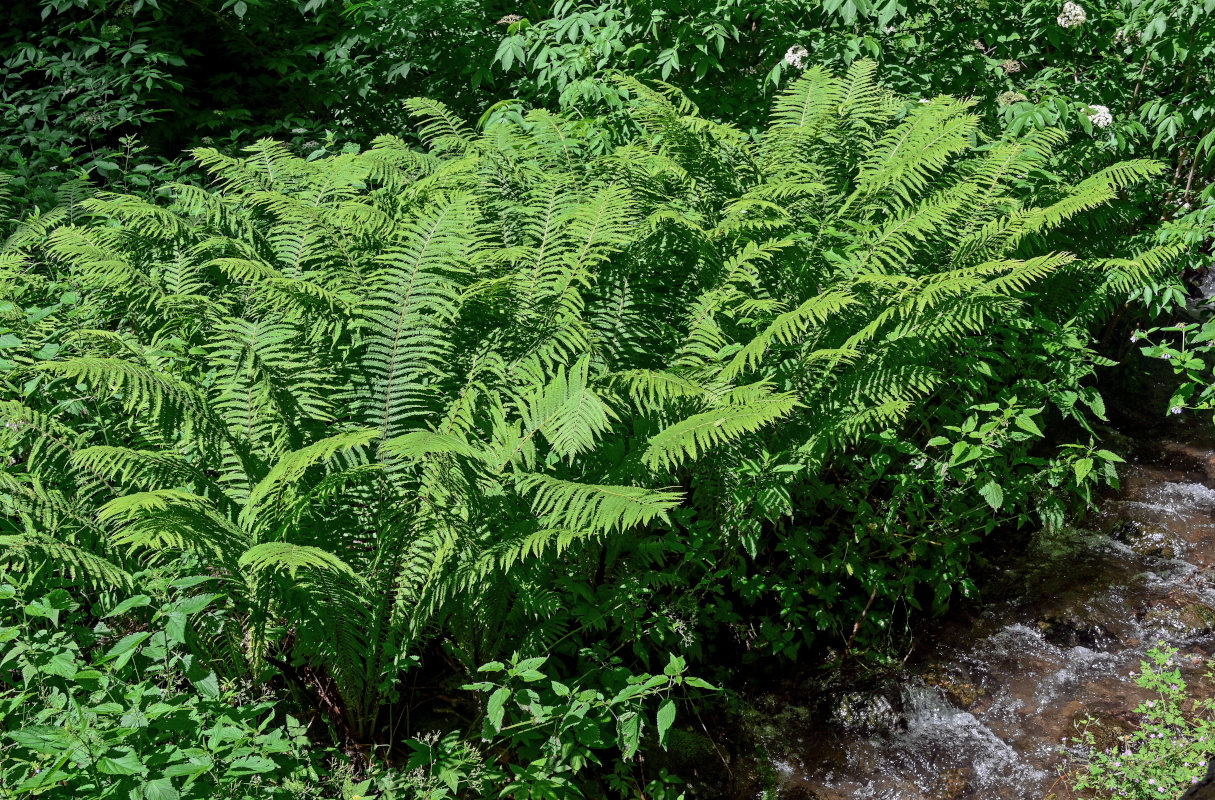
{"x": 372, "y": 391}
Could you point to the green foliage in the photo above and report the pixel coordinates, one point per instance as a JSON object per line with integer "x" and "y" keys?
{"x": 121, "y": 706}
{"x": 115, "y": 89}
{"x": 374, "y": 390}
{"x": 1187, "y": 347}
{"x": 1167, "y": 752}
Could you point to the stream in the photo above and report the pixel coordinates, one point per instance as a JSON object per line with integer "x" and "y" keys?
{"x": 990, "y": 694}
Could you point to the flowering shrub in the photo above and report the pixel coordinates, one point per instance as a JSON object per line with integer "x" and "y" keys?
{"x": 1071, "y": 16}
{"x": 1188, "y": 347}
{"x": 1169, "y": 751}
{"x": 796, "y": 56}
{"x": 1101, "y": 116}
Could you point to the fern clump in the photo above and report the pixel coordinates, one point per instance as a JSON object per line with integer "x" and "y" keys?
{"x": 393, "y": 397}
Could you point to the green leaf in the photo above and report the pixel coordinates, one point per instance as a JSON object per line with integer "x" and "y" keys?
{"x": 494, "y": 709}
{"x": 175, "y": 628}
{"x": 665, "y": 718}
{"x": 203, "y": 679}
{"x": 197, "y": 765}
{"x": 1026, "y": 423}
{"x": 138, "y": 601}
{"x": 993, "y": 493}
{"x": 1083, "y": 467}
{"x": 250, "y": 765}
{"x": 126, "y": 764}
{"x": 160, "y": 789}
{"x": 125, "y": 648}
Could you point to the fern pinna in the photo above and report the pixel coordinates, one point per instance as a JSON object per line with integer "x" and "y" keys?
{"x": 392, "y": 393}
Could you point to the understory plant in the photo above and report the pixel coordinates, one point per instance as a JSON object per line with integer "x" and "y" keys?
{"x": 118, "y": 705}
{"x": 512, "y": 392}
{"x": 1168, "y": 751}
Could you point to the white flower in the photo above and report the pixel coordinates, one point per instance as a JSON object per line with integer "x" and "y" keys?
{"x": 925, "y": 100}
{"x": 509, "y": 19}
{"x": 1175, "y": 410}
{"x": 796, "y": 56}
{"x": 1071, "y": 15}
{"x": 1011, "y": 65}
{"x": 1101, "y": 116}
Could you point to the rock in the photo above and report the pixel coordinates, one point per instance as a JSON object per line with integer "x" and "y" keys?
{"x": 962, "y": 693}
{"x": 1075, "y": 628}
{"x": 1108, "y": 730}
{"x": 954, "y": 784}
{"x": 1147, "y": 541}
{"x": 869, "y": 711}
{"x": 1192, "y": 619}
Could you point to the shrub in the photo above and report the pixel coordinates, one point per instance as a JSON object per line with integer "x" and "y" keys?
{"x": 123, "y": 707}
{"x": 1166, "y": 753}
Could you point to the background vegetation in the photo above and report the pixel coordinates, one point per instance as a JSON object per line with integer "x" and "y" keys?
{"x": 487, "y": 387}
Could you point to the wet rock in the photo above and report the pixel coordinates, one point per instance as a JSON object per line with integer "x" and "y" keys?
{"x": 1190, "y": 458}
{"x": 1075, "y": 628}
{"x": 954, "y": 784}
{"x": 1191, "y": 619}
{"x": 1148, "y": 541}
{"x": 872, "y": 711}
{"x": 959, "y": 691}
{"x": 1108, "y": 730}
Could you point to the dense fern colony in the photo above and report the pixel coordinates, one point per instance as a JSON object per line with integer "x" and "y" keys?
{"x": 511, "y": 388}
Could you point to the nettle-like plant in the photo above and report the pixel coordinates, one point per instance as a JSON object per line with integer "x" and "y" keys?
{"x": 387, "y": 394}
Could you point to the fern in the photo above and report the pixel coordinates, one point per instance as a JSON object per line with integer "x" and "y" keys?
{"x": 395, "y": 394}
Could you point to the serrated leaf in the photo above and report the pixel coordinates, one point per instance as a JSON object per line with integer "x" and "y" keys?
{"x": 629, "y": 732}
{"x": 494, "y": 709}
{"x": 126, "y": 764}
{"x": 993, "y": 493}
{"x": 1026, "y": 423}
{"x": 664, "y": 720}
{"x": 138, "y": 601}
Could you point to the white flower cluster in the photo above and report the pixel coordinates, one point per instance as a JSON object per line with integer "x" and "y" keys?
{"x": 1101, "y": 116}
{"x": 1071, "y": 15}
{"x": 1008, "y": 98}
{"x": 796, "y": 56}
{"x": 510, "y": 19}
{"x": 1010, "y": 66}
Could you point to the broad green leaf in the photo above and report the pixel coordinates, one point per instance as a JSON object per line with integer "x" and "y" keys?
{"x": 993, "y": 493}
{"x": 138, "y": 601}
{"x": 494, "y": 709}
{"x": 126, "y": 764}
{"x": 664, "y": 720}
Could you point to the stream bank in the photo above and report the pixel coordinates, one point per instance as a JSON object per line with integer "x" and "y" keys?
{"x": 990, "y": 693}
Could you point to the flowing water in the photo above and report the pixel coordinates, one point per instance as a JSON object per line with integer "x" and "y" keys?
{"x": 989, "y": 697}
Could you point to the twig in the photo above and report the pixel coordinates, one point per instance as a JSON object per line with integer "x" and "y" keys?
{"x": 857, "y": 625}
